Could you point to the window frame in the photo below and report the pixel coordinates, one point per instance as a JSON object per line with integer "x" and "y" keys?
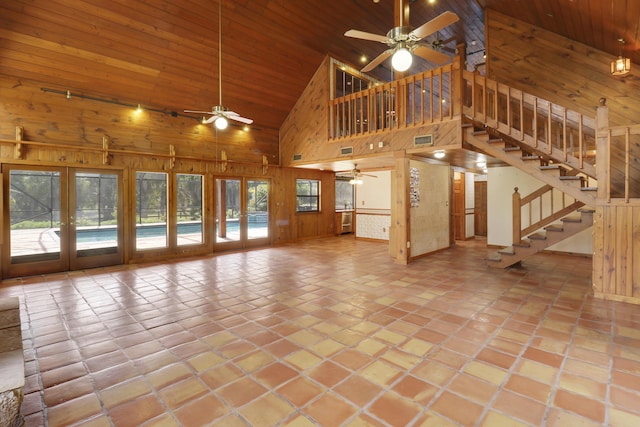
{"x": 308, "y": 195}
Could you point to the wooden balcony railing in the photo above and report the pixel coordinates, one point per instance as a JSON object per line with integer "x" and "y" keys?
{"x": 563, "y": 134}
{"x": 417, "y": 100}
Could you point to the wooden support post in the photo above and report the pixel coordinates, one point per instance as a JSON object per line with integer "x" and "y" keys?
{"x": 20, "y": 150}
{"x": 400, "y": 233}
{"x": 172, "y": 156}
{"x": 515, "y": 213}
{"x": 265, "y": 164}
{"x": 602, "y": 150}
{"x": 223, "y": 158}
{"x": 106, "y": 159}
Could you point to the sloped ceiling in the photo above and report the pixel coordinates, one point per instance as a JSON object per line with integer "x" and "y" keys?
{"x": 164, "y": 53}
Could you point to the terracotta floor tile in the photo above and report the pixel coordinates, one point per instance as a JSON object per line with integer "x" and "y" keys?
{"x": 328, "y": 374}
{"x": 241, "y": 391}
{"x": 124, "y": 392}
{"x": 268, "y": 410}
{"x": 415, "y": 390}
{"x": 581, "y": 405}
{"x": 559, "y": 418}
{"x": 529, "y": 387}
{"x": 449, "y": 405}
{"x": 367, "y": 342}
{"x": 68, "y": 391}
{"x": 178, "y": 394}
{"x": 519, "y": 407}
{"x": 275, "y": 374}
{"x": 300, "y": 391}
{"x": 73, "y": 411}
{"x": 358, "y": 390}
{"x": 473, "y": 388}
{"x": 201, "y": 412}
{"x": 330, "y": 410}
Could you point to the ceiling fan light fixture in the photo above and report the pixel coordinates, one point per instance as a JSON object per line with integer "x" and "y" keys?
{"x": 439, "y": 154}
{"x": 221, "y": 123}
{"x": 401, "y": 59}
{"x": 355, "y": 181}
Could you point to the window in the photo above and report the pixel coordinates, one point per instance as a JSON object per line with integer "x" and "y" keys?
{"x": 344, "y": 194}
{"x": 307, "y": 195}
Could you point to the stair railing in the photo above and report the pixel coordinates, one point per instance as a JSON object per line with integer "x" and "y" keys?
{"x": 562, "y": 134}
{"x": 539, "y": 209}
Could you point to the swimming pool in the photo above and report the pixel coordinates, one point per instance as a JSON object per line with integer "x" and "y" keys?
{"x": 104, "y": 234}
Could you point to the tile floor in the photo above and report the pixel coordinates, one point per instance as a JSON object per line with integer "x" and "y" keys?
{"x": 329, "y": 332}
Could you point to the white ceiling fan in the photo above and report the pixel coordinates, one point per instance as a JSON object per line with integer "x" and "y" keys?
{"x": 355, "y": 175}
{"x": 220, "y": 115}
{"x": 403, "y": 41}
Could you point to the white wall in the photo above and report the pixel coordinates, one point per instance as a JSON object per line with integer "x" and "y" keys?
{"x": 373, "y": 206}
{"x": 500, "y": 187}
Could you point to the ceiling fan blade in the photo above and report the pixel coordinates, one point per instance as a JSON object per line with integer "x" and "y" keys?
{"x": 377, "y": 61}
{"x": 211, "y": 119}
{"x": 431, "y": 55}
{"x": 198, "y": 112}
{"x": 366, "y": 36}
{"x": 238, "y": 118}
{"x": 436, "y": 24}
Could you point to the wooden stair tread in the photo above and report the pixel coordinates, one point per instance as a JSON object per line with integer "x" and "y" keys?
{"x": 556, "y": 228}
{"x": 507, "y": 251}
{"x": 537, "y": 236}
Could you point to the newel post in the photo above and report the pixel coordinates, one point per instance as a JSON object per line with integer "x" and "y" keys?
{"x": 603, "y": 153}
{"x": 515, "y": 210}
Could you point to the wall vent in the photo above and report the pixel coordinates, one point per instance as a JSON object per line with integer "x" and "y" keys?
{"x": 297, "y": 157}
{"x": 344, "y": 151}
{"x": 423, "y": 140}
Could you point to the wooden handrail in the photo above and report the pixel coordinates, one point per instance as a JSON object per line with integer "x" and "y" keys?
{"x": 560, "y": 133}
{"x": 548, "y": 210}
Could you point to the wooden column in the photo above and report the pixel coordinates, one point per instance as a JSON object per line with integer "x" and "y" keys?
{"x": 399, "y": 233}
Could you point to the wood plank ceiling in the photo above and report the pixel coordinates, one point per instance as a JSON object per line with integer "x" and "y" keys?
{"x": 164, "y": 53}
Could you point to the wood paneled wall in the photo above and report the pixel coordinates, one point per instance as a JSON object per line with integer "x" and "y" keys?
{"x": 70, "y": 132}
{"x": 616, "y": 270}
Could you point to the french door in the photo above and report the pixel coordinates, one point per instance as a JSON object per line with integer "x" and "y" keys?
{"x": 242, "y": 213}
{"x": 59, "y": 219}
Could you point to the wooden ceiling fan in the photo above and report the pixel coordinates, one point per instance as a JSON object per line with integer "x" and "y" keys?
{"x": 219, "y": 115}
{"x": 403, "y": 40}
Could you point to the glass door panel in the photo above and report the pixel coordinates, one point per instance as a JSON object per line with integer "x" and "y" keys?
{"x": 151, "y": 210}
{"x": 96, "y": 221}
{"x": 228, "y": 205}
{"x": 36, "y": 234}
{"x": 189, "y": 201}
{"x": 60, "y": 219}
{"x": 257, "y": 209}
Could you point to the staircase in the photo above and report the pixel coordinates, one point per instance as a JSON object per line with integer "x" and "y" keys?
{"x": 539, "y": 241}
{"x": 554, "y": 172}
{"x": 548, "y": 142}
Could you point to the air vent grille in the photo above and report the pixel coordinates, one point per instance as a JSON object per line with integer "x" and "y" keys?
{"x": 344, "y": 151}
{"x": 423, "y": 140}
{"x": 297, "y": 157}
